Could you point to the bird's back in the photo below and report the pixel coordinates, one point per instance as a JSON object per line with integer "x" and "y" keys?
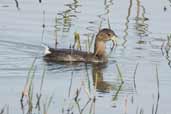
{"x": 71, "y": 55}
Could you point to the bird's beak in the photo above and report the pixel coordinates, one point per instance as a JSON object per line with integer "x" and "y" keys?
{"x": 114, "y": 38}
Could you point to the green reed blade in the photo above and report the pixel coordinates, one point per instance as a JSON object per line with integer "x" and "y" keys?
{"x": 120, "y": 74}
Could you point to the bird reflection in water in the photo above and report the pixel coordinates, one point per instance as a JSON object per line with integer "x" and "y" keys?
{"x": 98, "y": 81}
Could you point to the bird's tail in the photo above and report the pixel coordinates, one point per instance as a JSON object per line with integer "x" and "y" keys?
{"x": 47, "y": 49}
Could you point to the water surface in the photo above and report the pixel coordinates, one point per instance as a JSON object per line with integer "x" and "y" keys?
{"x": 142, "y": 26}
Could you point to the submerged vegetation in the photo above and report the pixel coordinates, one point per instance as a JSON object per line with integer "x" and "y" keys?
{"x": 81, "y": 100}
{"x": 28, "y": 96}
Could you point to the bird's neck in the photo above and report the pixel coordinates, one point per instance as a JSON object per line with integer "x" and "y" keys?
{"x": 99, "y": 48}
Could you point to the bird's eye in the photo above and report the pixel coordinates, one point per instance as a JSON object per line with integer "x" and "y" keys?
{"x": 108, "y": 34}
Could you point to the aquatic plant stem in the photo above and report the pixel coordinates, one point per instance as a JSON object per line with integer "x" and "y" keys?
{"x": 17, "y": 4}
{"x": 158, "y": 92}
{"x": 135, "y": 71}
{"x": 120, "y": 74}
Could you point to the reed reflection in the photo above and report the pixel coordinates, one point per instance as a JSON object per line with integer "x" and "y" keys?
{"x": 167, "y": 50}
{"x": 141, "y": 26}
{"x": 105, "y": 16}
{"x": 127, "y": 23}
{"x": 64, "y": 19}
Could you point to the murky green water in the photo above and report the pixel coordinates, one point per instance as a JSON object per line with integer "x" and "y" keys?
{"x": 142, "y": 27}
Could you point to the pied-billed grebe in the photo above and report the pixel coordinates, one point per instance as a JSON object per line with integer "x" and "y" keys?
{"x": 71, "y": 55}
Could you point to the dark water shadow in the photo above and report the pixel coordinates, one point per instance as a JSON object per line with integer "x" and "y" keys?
{"x": 65, "y": 66}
